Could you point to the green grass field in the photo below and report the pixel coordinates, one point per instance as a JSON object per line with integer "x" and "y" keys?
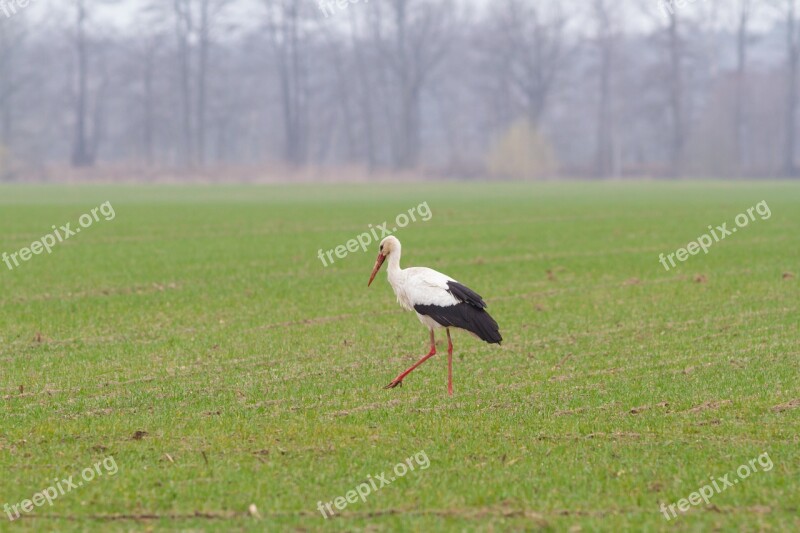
{"x": 198, "y": 340}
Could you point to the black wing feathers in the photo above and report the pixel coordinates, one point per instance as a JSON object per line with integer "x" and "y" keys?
{"x": 469, "y": 314}
{"x": 465, "y": 294}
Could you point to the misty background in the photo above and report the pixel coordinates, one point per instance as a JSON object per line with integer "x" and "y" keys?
{"x": 233, "y": 90}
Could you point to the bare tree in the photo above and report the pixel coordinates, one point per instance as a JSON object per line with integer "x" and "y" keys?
{"x": 604, "y": 15}
{"x": 13, "y": 79}
{"x": 146, "y": 56}
{"x": 184, "y": 28}
{"x": 337, "y": 48}
{"x": 669, "y": 38}
{"x": 204, "y": 44}
{"x": 366, "y": 90}
{"x": 210, "y": 11}
{"x": 529, "y": 40}
{"x": 792, "y": 55}
{"x": 412, "y": 43}
{"x": 82, "y": 154}
{"x": 11, "y": 83}
{"x": 744, "y": 10}
{"x": 288, "y": 34}
{"x": 149, "y": 55}
{"x": 675, "y": 47}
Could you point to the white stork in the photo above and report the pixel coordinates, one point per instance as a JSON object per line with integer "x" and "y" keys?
{"x": 439, "y": 301}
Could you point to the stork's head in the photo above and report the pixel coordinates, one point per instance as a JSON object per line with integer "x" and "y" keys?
{"x": 388, "y": 245}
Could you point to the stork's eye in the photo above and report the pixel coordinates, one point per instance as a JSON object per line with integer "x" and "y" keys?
{"x": 381, "y": 247}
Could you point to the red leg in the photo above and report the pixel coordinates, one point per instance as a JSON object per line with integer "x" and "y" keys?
{"x": 449, "y": 364}
{"x": 399, "y": 379}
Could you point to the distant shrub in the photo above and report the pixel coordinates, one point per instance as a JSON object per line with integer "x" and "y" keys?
{"x": 522, "y": 153}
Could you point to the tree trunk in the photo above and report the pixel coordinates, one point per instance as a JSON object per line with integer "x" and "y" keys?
{"x": 365, "y": 100}
{"x": 81, "y": 155}
{"x": 148, "y": 104}
{"x": 183, "y": 28}
{"x": 604, "y": 141}
{"x": 741, "y": 66}
{"x": 676, "y": 99}
{"x": 202, "y": 82}
{"x": 789, "y": 169}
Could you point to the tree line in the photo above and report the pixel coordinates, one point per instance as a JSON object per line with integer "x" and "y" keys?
{"x": 602, "y": 88}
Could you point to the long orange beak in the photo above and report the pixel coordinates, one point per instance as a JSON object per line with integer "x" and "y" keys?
{"x": 378, "y": 262}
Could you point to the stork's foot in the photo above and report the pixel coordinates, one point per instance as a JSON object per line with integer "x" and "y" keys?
{"x": 394, "y": 384}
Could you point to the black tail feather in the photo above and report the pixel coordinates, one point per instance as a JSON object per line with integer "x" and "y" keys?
{"x": 464, "y": 316}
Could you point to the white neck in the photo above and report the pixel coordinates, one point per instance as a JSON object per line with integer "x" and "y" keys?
{"x": 394, "y": 262}
{"x": 397, "y": 279}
